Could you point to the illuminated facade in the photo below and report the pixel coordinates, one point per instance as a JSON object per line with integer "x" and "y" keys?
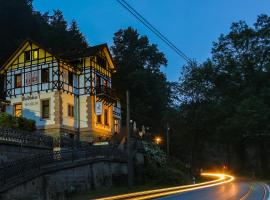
{"x": 67, "y": 95}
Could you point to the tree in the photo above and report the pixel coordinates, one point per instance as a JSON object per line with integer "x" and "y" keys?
{"x": 138, "y": 70}
{"x": 225, "y": 100}
{"x": 51, "y": 31}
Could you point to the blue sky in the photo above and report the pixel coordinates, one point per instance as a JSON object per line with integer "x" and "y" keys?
{"x": 192, "y": 25}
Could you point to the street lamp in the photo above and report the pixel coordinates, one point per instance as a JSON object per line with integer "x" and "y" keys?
{"x": 158, "y": 140}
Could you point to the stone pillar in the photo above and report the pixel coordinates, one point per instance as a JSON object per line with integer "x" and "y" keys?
{"x": 86, "y": 134}
{"x": 58, "y": 109}
{"x": 58, "y": 118}
{"x": 89, "y": 110}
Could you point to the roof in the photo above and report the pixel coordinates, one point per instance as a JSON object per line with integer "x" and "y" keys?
{"x": 66, "y": 56}
{"x": 82, "y": 53}
{"x": 21, "y": 46}
{"x": 90, "y": 51}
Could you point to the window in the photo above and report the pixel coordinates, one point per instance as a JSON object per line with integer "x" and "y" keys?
{"x": 45, "y": 109}
{"x": 17, "y": 112}
{"x": 106, "y": 122}
{"x": 70, "y": 78}
{"x": 27, "y": 56}
{"x": 105, "y": 83}
{"x": 116, "y": 126}
{"x": 98, "y": 81}
{"x": 18, "y": 80}
{"x": 45, "y": 75}
{"x": 35, "y": 54}
{"x": 99, "y": 119}
{"x": 31, "y": 55}
{"x": 70, "y": 110}
{"x": 101, "y": 61}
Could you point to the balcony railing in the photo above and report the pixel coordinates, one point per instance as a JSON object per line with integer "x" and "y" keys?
{"x": 106, "y": 94}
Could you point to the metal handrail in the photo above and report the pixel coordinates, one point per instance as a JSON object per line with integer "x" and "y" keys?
{"x": 24, "y": 137}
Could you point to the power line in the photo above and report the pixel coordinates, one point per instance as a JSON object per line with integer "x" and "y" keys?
{"x": 144, "y": 21}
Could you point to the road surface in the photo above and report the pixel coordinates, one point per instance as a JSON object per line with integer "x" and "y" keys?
{"x": 223, "y": 187}
{"x": 242, "y": 190}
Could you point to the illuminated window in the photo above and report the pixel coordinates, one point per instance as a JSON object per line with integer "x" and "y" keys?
{"x": 27, "y": 56}
{"x": 105, "y": 83}
{"x": 70, "y": 110}
{"x": 70, "y": 78}
{"x": 17, "y": 112}
{"x": 45, "y": 75}
{"x": 116, "y": 125}
{"x": 35, "y": 54}
{"x": 18, "y": 80}
{"x": 99, "y": 119}
{"x": 106, "y": 121}
{"x": 45, "y": 109}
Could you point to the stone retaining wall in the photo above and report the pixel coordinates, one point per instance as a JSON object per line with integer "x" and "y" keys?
{"x": 58, "y": 185}
{"x": 13, "y": 151}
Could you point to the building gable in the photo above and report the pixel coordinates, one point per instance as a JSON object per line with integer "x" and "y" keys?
{"x": 28, "y": 53}
{"x": 108, "y": 55}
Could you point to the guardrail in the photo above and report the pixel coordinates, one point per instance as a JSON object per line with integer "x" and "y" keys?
{"x": 13, "y": 172}
{"x": 26, "y": 138}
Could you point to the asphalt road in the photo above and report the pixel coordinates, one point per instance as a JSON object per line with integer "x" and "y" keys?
{"x": 237, "y": 190}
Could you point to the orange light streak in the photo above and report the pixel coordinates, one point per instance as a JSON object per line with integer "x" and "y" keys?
{"x": 222, "y": 179}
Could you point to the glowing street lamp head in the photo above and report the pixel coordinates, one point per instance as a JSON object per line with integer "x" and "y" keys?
{"x": 158, "y": 140}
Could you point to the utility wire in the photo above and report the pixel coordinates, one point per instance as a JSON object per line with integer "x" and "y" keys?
{"x": 144, "y": 21}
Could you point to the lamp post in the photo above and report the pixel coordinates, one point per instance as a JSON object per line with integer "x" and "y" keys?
{"x": 129, "y": 150}
{"x": 168, "y": 139}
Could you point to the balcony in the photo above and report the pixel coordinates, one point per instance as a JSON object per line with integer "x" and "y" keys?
{"x": 105, "y": 94}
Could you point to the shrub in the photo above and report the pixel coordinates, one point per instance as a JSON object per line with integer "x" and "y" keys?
{"x": 154, "y": 153}
{"x": 26, "y": 124}
{"x": 161, "y": 170}
{"x": 8, "y": 121}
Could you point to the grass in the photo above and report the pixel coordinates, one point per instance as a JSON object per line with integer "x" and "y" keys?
{"x": 106, "y": 192}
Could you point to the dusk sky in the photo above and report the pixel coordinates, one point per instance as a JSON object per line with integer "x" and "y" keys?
{"x": 192, "y": 25}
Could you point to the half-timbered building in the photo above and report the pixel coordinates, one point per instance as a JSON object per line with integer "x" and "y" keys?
{"x": 69, "y": 94}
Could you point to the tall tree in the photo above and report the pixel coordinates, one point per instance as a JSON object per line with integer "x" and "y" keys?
{"x": 138, "y": 70}
{"x": 225, "y": 100}
{"x": 19, "y": 21}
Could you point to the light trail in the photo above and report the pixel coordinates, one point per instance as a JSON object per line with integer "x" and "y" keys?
{"x": 222, "y": 179}
{"x": 264, "y": 191}
{"x": 247, "y": 194}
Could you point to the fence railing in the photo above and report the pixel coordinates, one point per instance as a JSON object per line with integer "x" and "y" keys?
{"x": 13, "y": 171}
{"x": 26, "y": 138}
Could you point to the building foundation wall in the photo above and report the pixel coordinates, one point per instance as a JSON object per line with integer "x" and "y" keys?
{"x": 61, "y": 184}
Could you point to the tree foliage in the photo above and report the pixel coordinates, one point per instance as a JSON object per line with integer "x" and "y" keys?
{"x": 225, "y": 100}
{"x": 138, "y": 70}
{"x": 19, "y": 21}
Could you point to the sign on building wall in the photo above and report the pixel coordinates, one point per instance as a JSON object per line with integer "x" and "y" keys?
{"x": 30, "y": 101}
{"x": 31, "y": 78}
{"x": 98, "y": 108}
{"x": 116, "y": 112}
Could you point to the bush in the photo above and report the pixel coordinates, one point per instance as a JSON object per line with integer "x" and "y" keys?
{"x": 154, "y": 153}
{"x": 21, "y": 123}
{"x": 161, "y": 170}
{"x": 26, "y": 124}
{"x": 166, "y": 175}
